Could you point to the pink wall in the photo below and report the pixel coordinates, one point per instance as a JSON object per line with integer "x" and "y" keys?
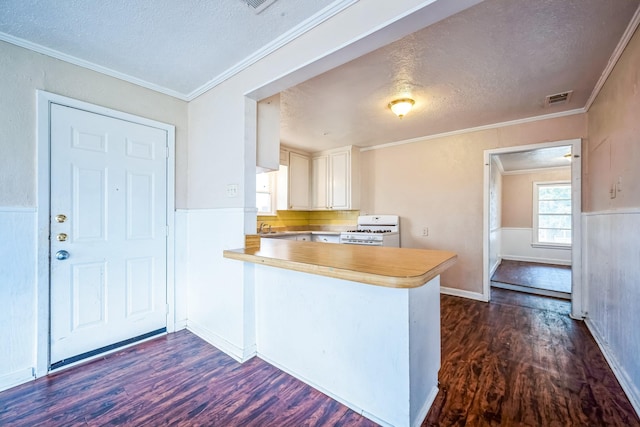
{"x": 438, "y": 183}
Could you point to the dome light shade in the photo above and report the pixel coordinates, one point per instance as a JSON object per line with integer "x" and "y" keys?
{"x": 401, "y": 107}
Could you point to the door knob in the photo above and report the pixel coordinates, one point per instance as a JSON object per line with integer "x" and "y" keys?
{"x": 61, "y": 218}
{"x": 62, "y": 255}
{"x": 62, "y": 237}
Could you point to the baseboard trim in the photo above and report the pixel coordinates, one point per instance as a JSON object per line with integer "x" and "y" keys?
{"x": 422, "y": 414}
{"x": 16, "y": 378}
{"x": 464, "y": 294}
{"x": 538, "y": 260}
{"x": 323, "y": 390}
{"x": 232, "y": 350}
{"x": 633, "y": 394}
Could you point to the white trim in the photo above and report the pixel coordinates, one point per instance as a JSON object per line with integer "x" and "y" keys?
{"x": 538, "y": 260}
{"x": 578, "y": 293}
{"x": 16, "y": 378}
{"x": 535, "y": 232}
{"x": 227, "y": 347}
{"x": 17, "y": 209}
{"x": 633, "y": 394}
{"x": 615, "y": 56}
{"x": 43, "y": 102}
{"x": 326, "y": 13}
{"x": 623, "y": 211}
{"x": 480, "y": 128}
{"x": 89, "y": 65}
{"x": 536, "y": 170}
{"x": 424, "y": 410}
{"x": 462, "y": 293}
{"x": 562, "y": 247}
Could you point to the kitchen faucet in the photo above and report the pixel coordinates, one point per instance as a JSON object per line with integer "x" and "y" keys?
{"x": 262, "y": 225}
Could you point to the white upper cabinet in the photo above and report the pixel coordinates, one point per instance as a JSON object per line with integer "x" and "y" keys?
{"x": 320, "y": 182}
{"x": 336, "y": 179}
{"x": 299, "y": 185}
{"x": 268, "y": 134}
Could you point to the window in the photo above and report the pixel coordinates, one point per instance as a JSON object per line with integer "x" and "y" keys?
{"x": 266, "y": 185}
{"x": 552, "y": 213}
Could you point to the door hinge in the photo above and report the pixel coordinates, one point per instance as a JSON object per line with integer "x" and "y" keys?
{"x": 167, "y": 309}
{"x": 166, "y": 151}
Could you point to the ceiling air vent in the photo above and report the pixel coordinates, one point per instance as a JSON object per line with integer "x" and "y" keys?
{"x": 258, "y": 5}
{"x": 557, "y": 99}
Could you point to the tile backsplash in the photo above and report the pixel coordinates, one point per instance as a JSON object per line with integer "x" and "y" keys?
{"x": 310, "y": 219}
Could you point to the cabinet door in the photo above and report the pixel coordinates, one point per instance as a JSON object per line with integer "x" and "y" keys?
{"x": 320, "y": 182}
{"x": 303, "y": 237}
{"x": 339, "y": 180}
{"x": 298, "y": 181}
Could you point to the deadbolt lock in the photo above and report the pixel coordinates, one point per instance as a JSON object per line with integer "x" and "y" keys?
{"x": 61, "y": 218}
{"x": 61, "y": 237}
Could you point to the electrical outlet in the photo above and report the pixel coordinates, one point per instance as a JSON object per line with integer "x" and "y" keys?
{"x": 425, "y": 231}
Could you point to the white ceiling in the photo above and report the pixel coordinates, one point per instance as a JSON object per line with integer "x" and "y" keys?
{"x": 176, "y": 47}
{"x": 491, "y": 63}
{"x": 541, "y": 158}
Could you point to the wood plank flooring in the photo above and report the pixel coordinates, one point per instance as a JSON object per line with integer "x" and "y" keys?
{"x": 549, "y": 277}
{"x": 523, "y": 362}
{"x": 176, "y": 380}
{"x": 514, "y": 362}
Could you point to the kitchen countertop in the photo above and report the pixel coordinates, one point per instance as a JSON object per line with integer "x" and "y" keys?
{"x": 375, "y": 265}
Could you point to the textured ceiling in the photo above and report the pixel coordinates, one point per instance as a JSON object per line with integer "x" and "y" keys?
{"x": 552, "y": 157}
{"x": 491, "y": 63}
{"x": 174, "y": 46}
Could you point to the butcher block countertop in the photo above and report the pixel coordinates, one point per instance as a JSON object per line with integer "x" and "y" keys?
{"x": 374, "y": 265}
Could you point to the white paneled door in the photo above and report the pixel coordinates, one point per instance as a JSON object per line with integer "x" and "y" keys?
{"x": 108, "y": 231}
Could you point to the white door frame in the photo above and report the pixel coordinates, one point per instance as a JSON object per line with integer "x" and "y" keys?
{"x": 578, "y": 297}
{"x": 44, "y": 101}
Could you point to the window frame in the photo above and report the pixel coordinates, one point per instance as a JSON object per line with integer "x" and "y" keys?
{"x": 273, "y": 190}
{"x": 535, "y": 230}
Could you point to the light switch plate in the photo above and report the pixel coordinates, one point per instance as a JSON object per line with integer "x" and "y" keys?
{"x": 232, "y": 190}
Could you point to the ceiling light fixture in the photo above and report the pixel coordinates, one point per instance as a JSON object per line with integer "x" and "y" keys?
{"x": 401, "y": 107}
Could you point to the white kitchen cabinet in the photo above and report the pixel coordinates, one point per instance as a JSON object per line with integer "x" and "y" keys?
{"x": 303, "y": 237}
{"x": 320, "y": 182}
{"x": 299, "y": 185}
{"x": 336, "y": 179}
{"x": 325, "y": 238}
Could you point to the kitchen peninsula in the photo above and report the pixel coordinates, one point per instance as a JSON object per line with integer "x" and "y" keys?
{"x": 359, "y": 323}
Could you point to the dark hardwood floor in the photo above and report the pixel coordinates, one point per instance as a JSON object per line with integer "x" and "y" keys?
{"x": 536, "y": 276}
{"x": 513, "y": 362}
{"x": 522, "y": 361}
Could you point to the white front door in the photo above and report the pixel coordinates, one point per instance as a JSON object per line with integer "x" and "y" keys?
{"x": 108, "y": 231}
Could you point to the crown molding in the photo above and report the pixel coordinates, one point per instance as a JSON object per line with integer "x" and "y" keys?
{"x": 326, "y": 13}
{"x": 615, "y": 56}
{"x": 478, "y": 128}
{"x": 89, "y": 65}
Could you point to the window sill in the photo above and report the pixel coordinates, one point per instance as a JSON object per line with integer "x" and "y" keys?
{"x": 563, "y": 246}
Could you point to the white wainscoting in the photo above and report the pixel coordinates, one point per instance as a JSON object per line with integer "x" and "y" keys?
{"x": 516, "y": 245}
{"x": 17, "y": 295}
{"x": 220, "y": 292}
{"x": 181, "y": 256}
{"x": 611, "y": 265}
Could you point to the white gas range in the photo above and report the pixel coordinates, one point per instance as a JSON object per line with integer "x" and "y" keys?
{"x": 374, "y": 230}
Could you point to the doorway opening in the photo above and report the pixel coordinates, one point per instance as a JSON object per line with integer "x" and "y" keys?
{"x": 532, "y": 221}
